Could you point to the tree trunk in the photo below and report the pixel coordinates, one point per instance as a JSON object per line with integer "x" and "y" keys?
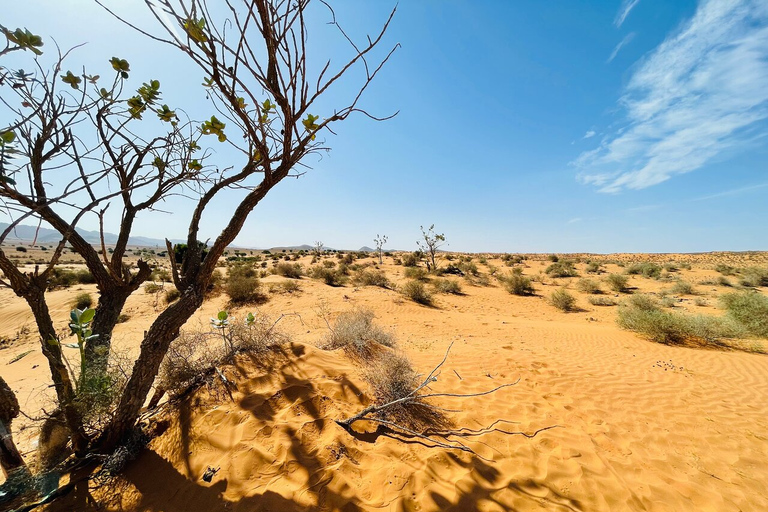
{"x": 153, "y": 349}
{"x": 10, "y": 458}
{"x": 111, "y": 303}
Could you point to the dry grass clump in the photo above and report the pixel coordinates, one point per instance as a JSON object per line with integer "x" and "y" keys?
{"x": 601, "y": 301}
{"x": 617, "y": 282}
{"x": 289, "y": 270}
{"x": 83, "y": 301}
{"x": 243, "y": 285}
{"x": 645, "y": 317}
{"x": 646, "y": 269}
{"x": 330, "y": 276}
{"x": 683, "y": 288}
{"x": 417, "y": 292}
{"x": 517, "y": 284}
{"x": 152, "y": 288}
{"x": 562, "y": 268}
{"x": 748, "y": 309}
{"x": 355, "y": 332}
{"x": 563, "y": 300}
{"x": 194, "y": 354}
{"x": 447, "y": 286}
{"x": 172, "y": 294}
{"x": 590, "y": 286}
{"x": 418, "y": 273}
{"x": 365, "y": 277}
{"x": 754, "y": 277}
{"x": 285, "y": 287}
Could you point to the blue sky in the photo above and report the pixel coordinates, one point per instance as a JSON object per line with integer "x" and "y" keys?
{"x": 526, "y": 126}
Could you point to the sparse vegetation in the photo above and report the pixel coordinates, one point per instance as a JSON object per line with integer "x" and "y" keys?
{"x": 243, "y": 285}
{"x": 601, "y": 301}
{"x": 562, "y": 268}
{"x": 562, "y": 300}
{"x": 417, "y": 273}
{"x": 357, "y": 334}
{"x": 683, "y": 288}
{"x": 365, "y": 277}
{"x": 417, "y": 292}
{"x": 518, "y": 284}
{"x": 172, "y": 294}
{"x": 749, "y": 309}
{"x": 83, "y": 301}
{"x": 617, "y": 282}
{"x": 647, "y": 269}
{"x": 450, "y": 286}
{"x": 289, "y": 270}
{"x": 590, "y": 286}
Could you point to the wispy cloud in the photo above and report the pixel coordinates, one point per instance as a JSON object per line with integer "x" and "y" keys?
{"x": 626, "y": 6}
{"x": 590, "y": 134}
{"x": 732, "y": 192}
{"x": 574, "y": 220}
{"x": 627, "y": 39}
{"x": 699, "y": 93}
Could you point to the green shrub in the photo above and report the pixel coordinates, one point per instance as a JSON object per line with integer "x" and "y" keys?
{"x": 21, "y": 248}
{"x": 593, "y": 267}
{"x": 418, "y": 273}
{"x": 683, "y": 288}
{"x": 562, "y": 300}
{"x": 243, "y": 285}
{"x": 754, "y": 276}
{"x": 417, "y": 292}
{"x": 409, "y": 260}
{"x": 723, "y": 281}
{"x": 726, "y": 270}
{"x": 590, "y": 286}
{"x": 748, "y": 309}
{"x": 289, "y": 270}
{"x": 601, "y": 301}
{"x": 331, "y": 277}
{"x": 647, "y": 269}
{"x": 83, "y": 301}
{"x": 152, "y": 288}
{"x": 642, "y": 302}
{"x": 562, "y": 268}
{"x": 355, "y": 332}
{"x": 553, "y": 258}
{"x": 675, "y": 328}
{"x": 517, "y": 284}
{"x": 668, "y": 302}
{"x": 617, "y": 282}
{"x": 365, "y": 277}
{"x": 447, "y": 286}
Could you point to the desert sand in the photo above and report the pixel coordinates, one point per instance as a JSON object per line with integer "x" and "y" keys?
{"x": 624, "y": 424}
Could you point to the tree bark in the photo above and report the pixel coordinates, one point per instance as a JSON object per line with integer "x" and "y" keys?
{"x": 10, "y": 458}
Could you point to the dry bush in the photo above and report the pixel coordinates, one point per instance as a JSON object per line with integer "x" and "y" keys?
{"x": 152, "y": 288}
{"x": 683, "y": 288}
{"x": 562, "y": 300}
{"x": 590, "y": 286}
{"x": 447, "y": 286}
{"x": 364, "y": 277}
{"x": 562, "y": 268}
{"x": 391, "y": 377}
{"x": 243, "y": 285}
{"x": 748, "y": 309}
{"x": 409, "y": 260}
{"x": 289, "y": 270}
{"x": 356, "y": 333}
{"x": 284, "y": 287}
{"x": 417, "y": 292}
{"x": 617, "y": 282}
{"x": 753, "y": 277}
{"x": 415, "y": 273}
{"x": 83, "y": 301}
{"x": 601, "y": 301}
{"x": 330, "y": 276}
{"x": 642, "y": 302}
{"x": 646, "y": 269}
{"x": 171, "y": 295}
{"x": 517, "y": 284}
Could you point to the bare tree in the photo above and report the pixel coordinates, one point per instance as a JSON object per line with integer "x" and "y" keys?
{"x": 430, "y": 244}
{"x": 380, "y": 240}
{"x": 267, "y": 109}
{"x": 317, "y": 249}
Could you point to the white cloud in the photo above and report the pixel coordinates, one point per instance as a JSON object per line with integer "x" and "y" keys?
{"x": 732, "y": 192}
{"x": 590, "y": 134}
{"x": 621, "y": 44}
{"x": 699, "y": 93}
{"x": 574, "y": 220}
{"x": 626, "y": 6}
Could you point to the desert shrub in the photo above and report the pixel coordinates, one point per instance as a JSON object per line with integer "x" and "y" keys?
{"x": 84, "y": 276}
{"x": 365, "y": 277}
{"x": 478, "y": 280}
{"x": 172, "y": 294}
{"x": 553, "y": 258}
{"x": 289, "y": 270}
{"x": 753, "y": 277}
{"x": 410, "y": 259}
{"x": 517, "y": 284}
{"x": 588, "y": 286}
{"x": 646, "y": 269}
{"x": 415, "y": 273}
{"x": 671, "y": 267}
{"x": 562, "y": 268}
{"x": 289, "y": 286}
{"x": 562, "y": 300}
{"x": 700, "y": 301}
{"x": 331, "y": 277}
{"x": 21, "y": 248}
{"x": 593, "y": 267}
{"x": 160, "y": 274}
{"x": 417, "y": 292}
{"x": 329, "y": 263}
{"x": 447, "y": 286}
{"x": 723, "y": 281}
{"x": 83, "y": 301}
{"x": 675, "y": 328}
{"x": 152, "y": 288}
{"x": 243, "y": 285}
{"x": 617, "y": 282}
{"x": 123, "y": 317}
{"x": 357, "y": 334}
{"x": 683, "y": 288}
{"x": 642, "y": 302}
{"x": 748, "y": 309}
{"x": 469, "y": 268}
{"x": 601, "y": 301}
{"x": 726, "y": 270}
{"x": 668, "y": 302}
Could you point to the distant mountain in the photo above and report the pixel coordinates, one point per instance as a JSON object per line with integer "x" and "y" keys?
{"x": 46, "y": 236}
{"x": 365, "y": 248}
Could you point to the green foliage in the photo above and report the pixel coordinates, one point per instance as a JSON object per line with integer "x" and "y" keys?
{"x": 243, "y": 285}
{"x": 410, "y": 259}
{"x": 590, "y": 286}
{"x": 121, "y": 66}
{"x": 447, "y": 286}
{"x": 21, "y": 248}
{"x": 683, "y": 288}
{"x": 517, "y": 284}
{"x": 214, "y": 127}
{"x": 642, "y": 302}
{"x": 72, "y": 80}
{"x": 24, "y": 39}
{"x": 724, "y": 269}
{"x": 180, "y": 251}
{"x": 593, "y": 267}
{"x": 749, "y": 309}
{"x": 195, "y": 29}
{"x": 330, "y": 276}
{"x": 617, "y": 282}
{"x": 647, "y": 269}
{"x": 754, "y": 277}
{"x": 562, "y": 300}
{"x": 675, "y": 328}
{"x": 415, "y": 273}
{"x": 562, "y": 268}
{"x": 289, "y": 270}
{"x": 417, "y": 292}
{"x": 553, "y": 258}
{"x": 83, "y": 301}
{"x": 364, "y": 277}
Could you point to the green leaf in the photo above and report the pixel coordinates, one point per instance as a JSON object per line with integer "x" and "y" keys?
{"x": 24, "y": 39}
{"x": 87, "y": 315}
{"x": 214, "y": 127}
{"x": 104, "y": 93}
{"x": 75, "y": 316}
{"x": 194, "y": 165}
{"x": 166, "y": 114}
{"x": 7, "y": 137}
{"x": 121, "y": 66}
{"x": 223, "y": 315}
{"x": 5, "y": 179}
{"x": 195, "y": 29}
{"x": 72, "y": 80}
{"x": 52, "y": 342}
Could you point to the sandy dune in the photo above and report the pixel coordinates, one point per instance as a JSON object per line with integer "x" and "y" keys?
{"x": 637, "y": 425}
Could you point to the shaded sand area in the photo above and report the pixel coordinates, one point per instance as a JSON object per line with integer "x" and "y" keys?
{"x": 637, "y": 425}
